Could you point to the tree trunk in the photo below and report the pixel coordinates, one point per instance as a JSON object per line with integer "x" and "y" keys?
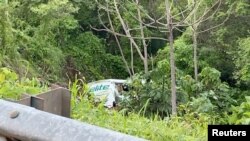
{"x": 172, "y": 58}
{"x": 123, "y": 57}
{"x": 128, "y": 34}
{"x": 145, "y": 49}
{"x": 119, "y": 45}
{"x": 132, "y": 58}
{"x": 195, "y": 55}
{"x": 145, "y": 56}
{"x": 194, "y": 35}
{"x": 172, "y": 63}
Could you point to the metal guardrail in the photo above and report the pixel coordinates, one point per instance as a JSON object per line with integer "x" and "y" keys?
{"x": 56, "y": 101}
{"x": 26, "y": 123}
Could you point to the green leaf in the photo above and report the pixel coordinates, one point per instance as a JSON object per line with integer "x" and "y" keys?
{"x": 247, "y": 99}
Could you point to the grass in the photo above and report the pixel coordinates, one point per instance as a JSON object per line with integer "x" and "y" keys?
{"x": 185, "y": 128}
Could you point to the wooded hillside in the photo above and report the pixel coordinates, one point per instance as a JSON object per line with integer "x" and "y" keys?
{"x": 194, "y": 54}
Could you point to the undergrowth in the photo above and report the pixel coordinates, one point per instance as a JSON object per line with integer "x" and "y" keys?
{"x": 190, "y": 127}
{"x": 12, "y": 86}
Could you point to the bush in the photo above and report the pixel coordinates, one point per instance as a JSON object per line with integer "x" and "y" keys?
{"x": 241, "y": 114}
{"x": 148, "y": 98}
{"x": 86, "y": 53}
{"x": 12, "y": 87}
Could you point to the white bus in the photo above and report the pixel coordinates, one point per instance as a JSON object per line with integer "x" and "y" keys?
{"x": 108, "y": 90}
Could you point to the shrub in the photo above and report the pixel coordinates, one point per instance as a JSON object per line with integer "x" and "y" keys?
{"x": 11, "y": 86}
{"x": 241, "y": 114}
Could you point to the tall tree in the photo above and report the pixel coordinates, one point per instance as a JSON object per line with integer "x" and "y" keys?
{"x": 118, "y": 43}
{"x": 133, "y": 28}
{"x": 172, "y": 58}
{"x": 145, "y": 48}
{"x": 202, "y": 11}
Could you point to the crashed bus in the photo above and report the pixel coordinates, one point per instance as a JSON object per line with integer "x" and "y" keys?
{"x": 108, "y": 91}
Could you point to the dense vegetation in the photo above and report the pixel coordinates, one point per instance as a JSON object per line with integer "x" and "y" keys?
{"x": 193, "y": 56}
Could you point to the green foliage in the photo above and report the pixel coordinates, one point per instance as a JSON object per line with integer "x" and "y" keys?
{"x": 241, "y": 114}
{"x": 114, "y": 67}
{"x": 35, "y": 29}
{"x": 87, "y": 54}
{"x": 55, "y": 17}
{"x": 7, "y": 46}
{"x": 220, "y": 46}
{"x": 56, "y": 14}
{"x": 241, "y": 6}
{"x": 12, "y": 87}
{"x": 208, "y": 95}
{"x": 48, "y": 60}
{"x": 183, "y": 55}
{"x": 210, "y": 77}
{"x": 152, "y": 93}
{"x": 202, "y": 104}
{"x": 86, "y": 14}
{"x": 211, "y": 95}
{"x": 148, "y": 97}
{"x": 242, "y": 61}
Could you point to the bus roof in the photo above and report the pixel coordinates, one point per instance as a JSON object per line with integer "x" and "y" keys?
{"x": 109, "y": 80}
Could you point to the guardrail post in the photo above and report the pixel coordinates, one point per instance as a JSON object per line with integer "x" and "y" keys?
{"x": 56, "y": 101}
